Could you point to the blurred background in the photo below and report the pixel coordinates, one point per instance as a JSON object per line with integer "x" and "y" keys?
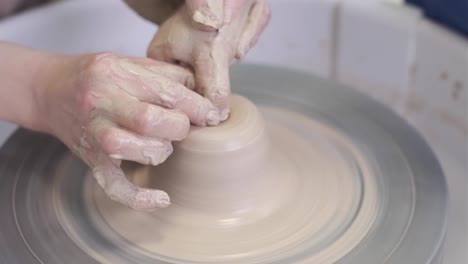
{"x": 411, "y": 57}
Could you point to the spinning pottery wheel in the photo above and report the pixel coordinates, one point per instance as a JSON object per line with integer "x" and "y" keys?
{"x": 307, "y": 173}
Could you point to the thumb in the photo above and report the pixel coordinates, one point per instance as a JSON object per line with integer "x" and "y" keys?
{"x": 117, "y": 187}
{"x": 212, "y": 79}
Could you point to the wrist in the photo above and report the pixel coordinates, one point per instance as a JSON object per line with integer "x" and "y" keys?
{"x": 38, "y": 87}
{"x": 18, "y": 74}
{"x": 54, "y": 74}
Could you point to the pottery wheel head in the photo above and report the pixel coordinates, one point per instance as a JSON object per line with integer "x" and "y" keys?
{"x": 232, "y": 184}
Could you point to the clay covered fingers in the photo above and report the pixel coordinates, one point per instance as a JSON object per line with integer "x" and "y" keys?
{"x": 208, "y": 36}
{"x": 108, "y": 108}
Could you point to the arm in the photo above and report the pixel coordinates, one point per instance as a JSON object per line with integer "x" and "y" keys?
{"x": 21, "y": 74}
{"x": 156, "y": 11}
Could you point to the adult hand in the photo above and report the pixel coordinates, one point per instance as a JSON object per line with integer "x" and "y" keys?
{"x": 107, "y": 108}
{"x": 207, "y": 36}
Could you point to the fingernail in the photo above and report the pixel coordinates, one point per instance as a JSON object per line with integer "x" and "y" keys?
{"x": 213, "y": 118}
{"x": 225, "y": 114}
{"x": 157, "y": 155}
{"x": 163, "y": 201}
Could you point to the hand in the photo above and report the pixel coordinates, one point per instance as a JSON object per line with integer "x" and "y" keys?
{"x": 108, "y": 108}
{"x": 208, "y": 36}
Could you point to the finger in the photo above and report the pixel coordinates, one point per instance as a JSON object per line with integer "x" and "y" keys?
{"x": 120, "y": 144}
{"x": 178, "y": 73}
{"x": 170, "y": 44}
{"x": 147, "y": 119}
{"x": 159, "y": 48}
{"x": 162, "y": 91}
{"x": 232, "y": 8}
{"x": 117, "y": 187}
{"x": 207, "y": 15}
{"x": 256, "y": 23}
{"x": 212, "y": 78}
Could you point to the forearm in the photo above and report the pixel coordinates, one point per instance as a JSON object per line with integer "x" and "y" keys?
{"x": 156, "y": 11}
{"x": 21, "y": 75}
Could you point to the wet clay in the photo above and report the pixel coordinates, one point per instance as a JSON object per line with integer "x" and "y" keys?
{"x": 263, "y": 186}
